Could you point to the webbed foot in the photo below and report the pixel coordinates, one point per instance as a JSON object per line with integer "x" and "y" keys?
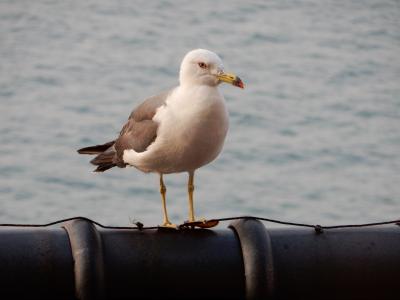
{"x": 201, "y": 223}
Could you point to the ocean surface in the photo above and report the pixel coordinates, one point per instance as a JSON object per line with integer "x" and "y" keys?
{"x": 314, "y": 137}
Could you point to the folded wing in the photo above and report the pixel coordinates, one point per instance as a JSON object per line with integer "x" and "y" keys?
{"x": 138, "y": 133}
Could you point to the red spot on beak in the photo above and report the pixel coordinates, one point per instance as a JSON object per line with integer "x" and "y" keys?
{"x": 238, "y": 82}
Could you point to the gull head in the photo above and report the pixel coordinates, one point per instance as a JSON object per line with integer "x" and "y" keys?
{"x": 204, "y": 67}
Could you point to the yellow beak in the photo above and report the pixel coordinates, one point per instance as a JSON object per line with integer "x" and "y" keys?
{"x": 231, "y": 78}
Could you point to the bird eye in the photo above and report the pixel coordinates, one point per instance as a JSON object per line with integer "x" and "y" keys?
{"x": 202, "y": 65}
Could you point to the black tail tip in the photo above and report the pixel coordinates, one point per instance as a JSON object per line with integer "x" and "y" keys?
{"x": 104, "y": 167}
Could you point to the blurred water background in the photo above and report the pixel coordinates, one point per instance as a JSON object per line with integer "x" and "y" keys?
{"x": 314, "y": 137}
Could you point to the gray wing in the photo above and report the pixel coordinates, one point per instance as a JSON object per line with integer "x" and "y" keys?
{"x": 140, "y": 130}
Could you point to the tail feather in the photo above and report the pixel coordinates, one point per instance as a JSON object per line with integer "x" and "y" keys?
{"x": 105, "y": 156}
{"x": 104, "y": 167}
{"x": 104, "y": 161}
{"x": 96, "y": 149}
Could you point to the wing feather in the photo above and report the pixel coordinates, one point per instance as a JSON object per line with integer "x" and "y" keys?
{"x": 140, "y": 130}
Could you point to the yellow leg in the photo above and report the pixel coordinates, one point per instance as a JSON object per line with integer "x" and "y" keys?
{"x": 163, "y": 191}
{"x": 202, "y": 223}
{"x": 190, "y": 192}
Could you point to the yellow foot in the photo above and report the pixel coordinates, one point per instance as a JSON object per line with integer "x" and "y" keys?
{"x": 202, "y": 223}
{"x": 168, "y": 225}
{"x": 198, "y": 220}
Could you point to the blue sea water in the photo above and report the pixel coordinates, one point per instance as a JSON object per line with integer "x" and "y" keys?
{"x": 314, "y": 137}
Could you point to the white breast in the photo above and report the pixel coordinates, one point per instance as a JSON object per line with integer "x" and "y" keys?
{"x": 192, "y": 130}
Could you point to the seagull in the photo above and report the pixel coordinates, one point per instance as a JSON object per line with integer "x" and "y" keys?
{"x": 179, "y": 130}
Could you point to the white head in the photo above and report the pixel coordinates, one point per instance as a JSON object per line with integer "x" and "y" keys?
{"x": 203, "y": 67}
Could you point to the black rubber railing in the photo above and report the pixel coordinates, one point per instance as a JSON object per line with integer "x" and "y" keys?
{"x": 83, "y": 259}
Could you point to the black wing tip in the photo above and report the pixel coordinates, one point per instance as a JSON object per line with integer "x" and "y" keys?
{"x": 96, "y": 149}
{"x": 87, "y": 150}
